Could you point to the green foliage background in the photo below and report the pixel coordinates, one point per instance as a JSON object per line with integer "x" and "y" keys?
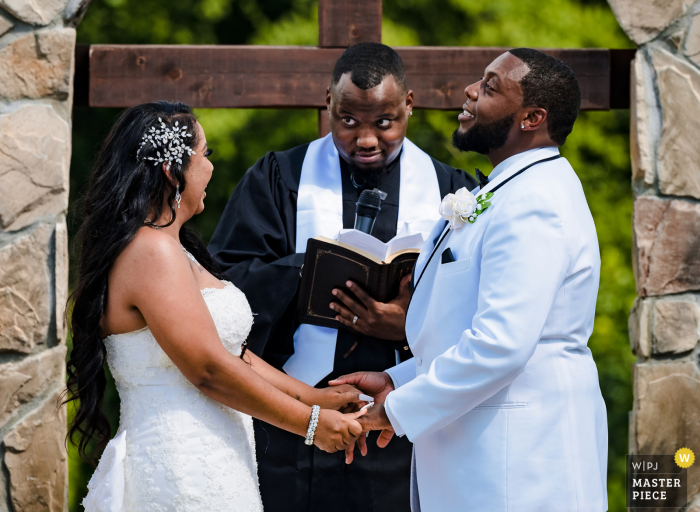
{"x": 598, "y": 147}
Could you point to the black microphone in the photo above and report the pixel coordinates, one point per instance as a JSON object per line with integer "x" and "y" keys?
{"x": 367, "y": 210}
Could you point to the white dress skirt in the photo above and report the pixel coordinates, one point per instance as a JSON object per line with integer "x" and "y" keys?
{"x": 176, "y": 449}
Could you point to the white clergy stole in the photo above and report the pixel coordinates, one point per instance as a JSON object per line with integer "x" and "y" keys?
{"x": 320, "y": 213}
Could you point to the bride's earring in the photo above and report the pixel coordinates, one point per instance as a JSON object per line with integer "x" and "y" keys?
{"x": 178, "y": 197}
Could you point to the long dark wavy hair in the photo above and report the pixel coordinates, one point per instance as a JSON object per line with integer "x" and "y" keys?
{"x": 123, "y": 190}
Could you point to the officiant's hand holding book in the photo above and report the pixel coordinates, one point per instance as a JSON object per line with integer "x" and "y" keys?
{"x": 383, "y": 320}
{"x": 358, "y": 283}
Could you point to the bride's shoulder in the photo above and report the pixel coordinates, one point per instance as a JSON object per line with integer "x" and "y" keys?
{"x": 152, "y": 251}
{"x": 143, "y": 274}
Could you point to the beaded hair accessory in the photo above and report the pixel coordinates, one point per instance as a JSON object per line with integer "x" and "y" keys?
{"x": 170, "y": 139}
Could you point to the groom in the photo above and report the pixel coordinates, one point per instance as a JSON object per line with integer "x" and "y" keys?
{"x": 501, "y": 399}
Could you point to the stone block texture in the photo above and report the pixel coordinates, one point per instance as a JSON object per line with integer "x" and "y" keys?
{"x": 666, "y": 414}
{"x": 6, "y": 24}
{"x": 35, "y": 149}
{"x": 643, "y": 20}
{"x": 641, "y": 148}
{"x": 38, "y": 65}
{"x": 23, "y": 381}
{"x": 679, "y": 151}
{"x": 34, "y": 12}
{"x": 36, "y": 93}
{"x": 667, "y": 245}
{"x": 61, "y": 278}
{"x": 640, "y": 327}
{"x": 75, "y": 10}
{"x": 692, "y": 42}
{"x": 25, "y": 290}
{"x": 36, "y": 459}
{"x": 676, "y": 326}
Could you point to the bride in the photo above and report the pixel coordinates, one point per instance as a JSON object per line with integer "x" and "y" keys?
{"x": 149, "y": 301}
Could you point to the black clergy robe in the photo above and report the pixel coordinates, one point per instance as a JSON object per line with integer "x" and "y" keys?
{"x": 255, "y": 243}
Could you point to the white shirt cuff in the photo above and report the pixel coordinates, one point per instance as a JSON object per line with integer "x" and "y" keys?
{"x": 394, "y": 424}
{"x": 394, "y": 381}
{"x": 402, "y": 373}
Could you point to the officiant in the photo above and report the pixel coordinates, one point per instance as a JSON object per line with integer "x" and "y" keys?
{"x": 311, "y": 190}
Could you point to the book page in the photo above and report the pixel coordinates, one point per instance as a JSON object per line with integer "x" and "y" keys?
{"x": 363, "y": 241}
{"x": 404, "y": 240}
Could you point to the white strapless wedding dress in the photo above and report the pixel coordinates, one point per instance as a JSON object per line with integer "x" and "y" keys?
{"x": 176, "y": 449}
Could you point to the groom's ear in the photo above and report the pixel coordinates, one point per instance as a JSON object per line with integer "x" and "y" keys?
{"x": 534, "y": 118}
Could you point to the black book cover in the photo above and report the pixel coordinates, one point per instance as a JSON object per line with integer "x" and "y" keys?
{"x": 329, "y": 264}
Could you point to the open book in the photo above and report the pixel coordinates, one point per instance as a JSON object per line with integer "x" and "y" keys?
{"x": 385, "y": 252}
{"x": 376, "y": 266}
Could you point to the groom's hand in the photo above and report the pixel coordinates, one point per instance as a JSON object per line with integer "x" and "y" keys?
{"x": 374, "y": 384}
{"x": 386, "y": 321}
{"x": 377, "y": 385}
{"x": 377, "y": 419}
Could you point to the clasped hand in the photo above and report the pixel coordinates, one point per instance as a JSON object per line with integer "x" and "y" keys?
{"x": 377, "y": 385}
{"x": 335, "y": 430}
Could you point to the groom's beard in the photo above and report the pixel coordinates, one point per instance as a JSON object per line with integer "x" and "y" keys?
{"x": 483, "y": 138}
{"x": 365, "y": 178}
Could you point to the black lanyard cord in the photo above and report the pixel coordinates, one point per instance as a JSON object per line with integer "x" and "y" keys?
{"x": 444, "y": 235}
{"x": 493, "y": 190}
{"x": 523, "y": 170}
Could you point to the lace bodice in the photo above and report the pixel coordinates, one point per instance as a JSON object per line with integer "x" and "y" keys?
{"x": 182, "y": 451}
{"x": 135, "y": 358}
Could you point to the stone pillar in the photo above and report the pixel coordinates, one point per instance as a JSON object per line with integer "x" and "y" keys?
{"x": 37, "y": 42}
{"x": 665, "y": 144}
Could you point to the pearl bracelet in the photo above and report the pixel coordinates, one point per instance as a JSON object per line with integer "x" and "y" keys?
{"x": 313, "y": 423}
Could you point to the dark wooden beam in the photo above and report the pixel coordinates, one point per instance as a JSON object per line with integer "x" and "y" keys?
{"x": 342, "y": 23}
{"x": 211, "y": 76}
{"x": 81, "y": 76}
{"x": 438, "y": 75}
{"x": 297, "y": 77}
{"x": 620, "y": 69}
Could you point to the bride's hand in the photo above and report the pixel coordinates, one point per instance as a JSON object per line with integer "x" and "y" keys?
{"x": 337, "y": 397}
{"x": 337, "y": 431}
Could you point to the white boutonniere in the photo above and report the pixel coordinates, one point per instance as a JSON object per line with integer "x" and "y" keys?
{"x": 462, "y": 207}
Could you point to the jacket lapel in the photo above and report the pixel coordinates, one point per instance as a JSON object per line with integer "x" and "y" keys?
{"x": 417, "y": 308}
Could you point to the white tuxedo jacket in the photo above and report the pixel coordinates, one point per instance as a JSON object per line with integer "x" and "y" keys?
{"x": 502, "y": 397}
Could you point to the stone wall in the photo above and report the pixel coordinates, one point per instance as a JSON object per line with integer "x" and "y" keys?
{"x": 37, "y": 42}
{"x": 665, "y": 144}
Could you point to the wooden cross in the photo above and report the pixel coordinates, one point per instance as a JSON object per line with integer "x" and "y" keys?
{"x": 248, "y": 76}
